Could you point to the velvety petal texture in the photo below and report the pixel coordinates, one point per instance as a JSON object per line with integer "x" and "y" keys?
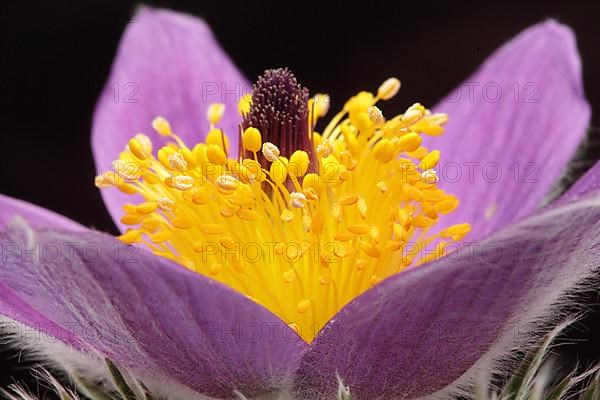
{"x": 428, "y": 330}
{"x": 35, "y": 216}
{"x": 513, "y": 127}
{"x": 168, "y": 64}
{"x": 589, "y": 182}
{"x": 162, "y": 322}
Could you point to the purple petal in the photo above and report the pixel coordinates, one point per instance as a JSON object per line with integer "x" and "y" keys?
{"x": 589, "y": 182}
{"x": 502, "y": 151}
{"x": 157, "y": 319}
{"x": 432, "y": 328}
{"x": 37, "y": 216}
{"x": 168, "y": 64}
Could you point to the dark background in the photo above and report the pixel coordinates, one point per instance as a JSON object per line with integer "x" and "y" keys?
{"x": 56, "y": 56}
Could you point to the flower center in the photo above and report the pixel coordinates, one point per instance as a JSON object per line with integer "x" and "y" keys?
{"x": 300, "y": 222}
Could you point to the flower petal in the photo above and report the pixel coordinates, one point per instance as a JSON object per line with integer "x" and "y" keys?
{"x": 168, "y": 64}
{"x": 160, "y": 321}
{"x": 429, "y": 330}
{"x": 513, "y": 126}
{"x": 589, "y": 182}
{"x": 37, "y": 216}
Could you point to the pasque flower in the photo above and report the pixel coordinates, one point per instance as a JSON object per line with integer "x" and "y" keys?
{"x": 278, "y": 253}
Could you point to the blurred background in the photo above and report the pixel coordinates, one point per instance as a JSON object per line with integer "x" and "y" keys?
{"x": 56, "y": 57}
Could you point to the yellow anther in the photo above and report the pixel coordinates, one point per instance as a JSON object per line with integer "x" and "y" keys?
{"x": 362, "y": 207}
{"x": 129, "y": 171}
{"x": 419, "y": 153}
{"x": 176, "y": 161}
{"x": 393, "y": 245}
{"x": 421, "y": 221}
{"x": 131, "y": 236}
{"x": 212, "y": 229}
{"x": 129, "y": 219}
{"x": 150, "y": 178}
{"x": 438, "y": 118}
{"x": 383, "y": 151}
{"x": 126, "y": 188}
{"x": 227, "y": 182}
{"x": 217, "y": 137}
{"x": 215, "y": 154}
{"x": 433, "y": 196}
{"x": 359, "y": 229}
{"x": 227, "y": 243}
{"x": 399, "y": 231}
{"x": 298, "y": 164}
{"x": 103, "y": 182}
{"x": 244, "y": 104}
{"x": 183, "y": 182}
{"x": 150, "y": 224}
{"x": 278, "y": 171}
{"x": 199, "y": 196}
{"x": 447, "y": 205}
{"x": 344, "y": 236}
{"x": 303, "y": 306}
{"x": 287, "y": 215}
{"x": 388, "y": 89}
{"x": 349, "y": 200}
{"x": 375, "y": 115}
{"x": 289, "y": 275}
{"x": 312, "y": 181}
{"x": 321, "y": 103}
{"x": 181, "y": 222}
{"x": 162, "y": 126}
{"x": 227, "y": 212}
{"x": 361, "y": 102}
{"x": 363, "y": 122}
{"x": 252, "y": 139}
{"x": 166, "y": 204}
{"x": 138, "y": 149}
{"x": 430, "y": 176}
{"x": 325, "y": 149}
{"x": 270, "y": 151}
{"x": 161, "y": 237}
{"x": 297, "y": 200}
{"x": 412, "y": 192}
{"x": 216, "y": 268}
{"x": 456, "y": 232}
{"x": 129, "y": 208}
{"x": 254, "y": 169}
{"x": 311, "y": 194}
{"x": 430, "y": 160}
{"x": 369, "y": 249}
{"x": 242, "y": 198}
{"x": 410, "y": 142}
{"x": 147, "y": 207}
{"x": 215, "y": 113}
{"x": 163, "y": 156}
{"x": 244, "y": 174}
{"x": 402, "y": 217}
{"x": 246, "y": 214}
{"x": 413, "y": 114}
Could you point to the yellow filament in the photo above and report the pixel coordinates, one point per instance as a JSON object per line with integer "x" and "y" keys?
{"x": 304, "y": 236}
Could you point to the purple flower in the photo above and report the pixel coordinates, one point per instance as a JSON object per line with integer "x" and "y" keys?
{"x": 425, "y": 332}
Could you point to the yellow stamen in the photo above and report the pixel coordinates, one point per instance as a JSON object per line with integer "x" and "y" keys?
{"x": 302, "y": 236}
